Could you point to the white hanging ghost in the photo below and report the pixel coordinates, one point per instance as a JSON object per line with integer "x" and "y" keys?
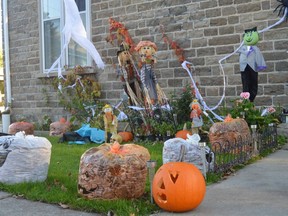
{"x": 74, "y": 29}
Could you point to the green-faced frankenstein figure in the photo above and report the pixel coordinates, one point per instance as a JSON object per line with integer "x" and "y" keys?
{"x": 251, "y": 61}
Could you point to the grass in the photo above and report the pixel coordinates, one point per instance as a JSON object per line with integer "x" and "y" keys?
{"x": 60, "y": 186}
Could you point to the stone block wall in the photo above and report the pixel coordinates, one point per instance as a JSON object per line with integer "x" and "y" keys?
{"x": 207, "y": 30}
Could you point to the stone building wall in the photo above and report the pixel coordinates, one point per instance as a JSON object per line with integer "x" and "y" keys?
{"x": 207, "y": 30}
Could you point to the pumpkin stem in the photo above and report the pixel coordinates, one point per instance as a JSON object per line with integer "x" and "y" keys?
{"x": 115, "y": 148}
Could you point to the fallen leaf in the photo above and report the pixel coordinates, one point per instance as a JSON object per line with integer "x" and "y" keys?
{"x": 64, "y": 206}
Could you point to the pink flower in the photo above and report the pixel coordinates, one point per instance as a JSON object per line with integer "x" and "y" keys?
{"x": 271, "y": 109}
{"x": 245, "y": 95}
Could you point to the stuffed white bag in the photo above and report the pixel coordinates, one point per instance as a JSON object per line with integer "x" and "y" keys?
{"x": 178, "y": 149}
{"x": 28, "y": 158}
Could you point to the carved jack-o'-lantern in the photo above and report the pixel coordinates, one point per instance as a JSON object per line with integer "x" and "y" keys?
{"x": 178, "y": 187}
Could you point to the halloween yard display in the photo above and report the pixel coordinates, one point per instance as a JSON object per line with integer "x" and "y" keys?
{"x": 60, "y": 127}
{"x": 178, "y": 187}
{"x": 152, "y": 91}
{"x": 251, "y": 61}
{"x": 27, "y": 158}
{"x": 110, "y": 122}
{"x": 113, "y": 171}
{"x": 27, "y": 127}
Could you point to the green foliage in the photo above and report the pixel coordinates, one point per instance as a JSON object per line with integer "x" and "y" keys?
{"x": 282, "y": 140}
{"x": 252, "y": 115}
{"x": 181, "y": 104}
{"x": 79, "y": 95}
{"x": 44, "y": 125}
{"x": 1, "y": 60}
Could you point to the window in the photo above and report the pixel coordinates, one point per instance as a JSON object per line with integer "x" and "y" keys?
{"x": 52, "y": 40}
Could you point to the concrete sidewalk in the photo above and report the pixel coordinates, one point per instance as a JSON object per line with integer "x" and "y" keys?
{"x": 12, "y": 206}
{"x": 260, "y": 188}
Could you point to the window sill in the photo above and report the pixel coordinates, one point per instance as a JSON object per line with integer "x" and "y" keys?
{"x": 87, "y": 70}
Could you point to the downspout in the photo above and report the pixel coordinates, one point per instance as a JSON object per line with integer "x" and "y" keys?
{"x": 6, "y": 55}
{"x": 6, "y": 113}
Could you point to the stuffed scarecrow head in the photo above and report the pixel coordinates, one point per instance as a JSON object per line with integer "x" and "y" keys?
{"x": 124, "y": 57}
{"x": 147, "y": 51}
{"x": 251, "y": 37}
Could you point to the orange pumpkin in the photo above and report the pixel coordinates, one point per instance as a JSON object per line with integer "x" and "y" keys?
{"x": 178, "y": 187}
{"x": 126, "y": 136}
{"x": 183, "y": 134}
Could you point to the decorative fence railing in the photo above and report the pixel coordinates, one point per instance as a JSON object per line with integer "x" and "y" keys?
{"x": 229, "y": 154}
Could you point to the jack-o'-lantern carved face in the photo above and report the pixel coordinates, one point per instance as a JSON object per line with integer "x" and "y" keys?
{"x": 178, "y": 187}
{"x": 251, "y": 37}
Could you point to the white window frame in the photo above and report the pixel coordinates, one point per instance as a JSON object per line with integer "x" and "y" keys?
{"x": 64, "y": 60}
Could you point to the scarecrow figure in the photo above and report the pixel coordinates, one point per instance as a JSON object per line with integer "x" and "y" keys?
{"x": 251, "y": 61}
{"x": 110, "y": 122}
{"x": 152, "y": 91}
{"x": 128, "y": 75}
{"x": 195, "y": 116}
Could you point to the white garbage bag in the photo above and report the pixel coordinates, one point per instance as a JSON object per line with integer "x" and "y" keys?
{"x": 28, "y": 158}
{"x": 178, "y": 149}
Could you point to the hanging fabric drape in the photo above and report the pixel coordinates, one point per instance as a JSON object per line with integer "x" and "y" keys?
{"x": 75, "y": 29}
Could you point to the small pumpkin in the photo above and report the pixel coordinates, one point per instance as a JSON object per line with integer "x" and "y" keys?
{"x": 178, "y": 187}
{"x": 126, "y": 136}
{"x": 183, "y": 133}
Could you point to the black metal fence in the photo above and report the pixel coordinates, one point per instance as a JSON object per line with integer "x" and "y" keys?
{"x": 229, "y": 154}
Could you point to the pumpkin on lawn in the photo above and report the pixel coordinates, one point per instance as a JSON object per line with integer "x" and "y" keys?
{"x": 113, "y": 171}
{"x": 126, "y": 136}
{"x": 178, "y": 187}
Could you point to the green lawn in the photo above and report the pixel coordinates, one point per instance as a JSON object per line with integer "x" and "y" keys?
{"x": 61, "y": 184}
